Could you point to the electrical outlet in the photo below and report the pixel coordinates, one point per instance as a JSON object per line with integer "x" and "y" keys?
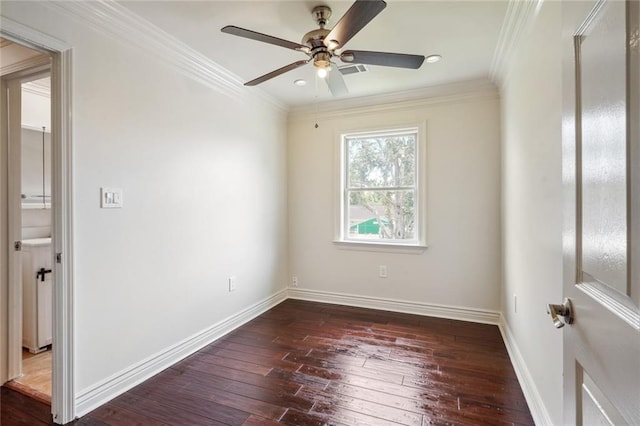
{"x": 382, "y": 271}
{"x": 232, "y": 284}
{"x": 294, "y": 281}
{"x": 515, "y": 304}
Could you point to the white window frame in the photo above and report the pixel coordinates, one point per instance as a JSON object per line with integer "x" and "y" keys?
{"x": 418, "y": 243}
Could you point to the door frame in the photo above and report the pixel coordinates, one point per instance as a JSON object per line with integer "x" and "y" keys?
{"x": 12, "y": 139}
{"x": 63, "y": 368}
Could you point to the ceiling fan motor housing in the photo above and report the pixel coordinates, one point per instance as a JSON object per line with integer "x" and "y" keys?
{"x": 315, "y": 39}
{"x": 321, "y": 15}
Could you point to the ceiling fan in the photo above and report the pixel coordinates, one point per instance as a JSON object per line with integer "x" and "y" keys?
{"x": 322, "y": 45}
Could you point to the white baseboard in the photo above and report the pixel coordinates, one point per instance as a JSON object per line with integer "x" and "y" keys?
{"x": 104, "y": 391}
{"x": 531, "y": 394}
{"x": 418, "y": 308}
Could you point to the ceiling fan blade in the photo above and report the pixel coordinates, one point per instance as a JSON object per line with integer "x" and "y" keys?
{"x": 336, "y": 83}
{"x": 358, "y": 15}
{"x": 276, "y": 73}
{"x": 400, "y": 60}
{"x": 253, "y": 35}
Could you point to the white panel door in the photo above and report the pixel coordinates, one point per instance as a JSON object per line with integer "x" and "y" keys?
{"x": 601, "y": 169}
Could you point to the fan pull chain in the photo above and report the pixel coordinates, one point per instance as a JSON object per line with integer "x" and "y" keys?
{"x": 316, "y": 100}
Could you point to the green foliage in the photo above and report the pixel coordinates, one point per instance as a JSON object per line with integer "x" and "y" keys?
{"x": 381, "y": 179}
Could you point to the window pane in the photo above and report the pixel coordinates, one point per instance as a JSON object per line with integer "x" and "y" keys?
{"x": 376, "y": 215}
{"x": 383, "y": 161}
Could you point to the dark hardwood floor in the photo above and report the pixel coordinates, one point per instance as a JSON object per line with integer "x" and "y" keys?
{"x": 305, "y": 363}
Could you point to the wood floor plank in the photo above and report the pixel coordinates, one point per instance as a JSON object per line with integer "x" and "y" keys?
{"x": 269, "y": 381}
{"x": 378, "y": 397}
{"x": 233, "y": 363}
{"x": 256, "y": 358}
{"x": 300, "y": 378}
{"x": 387, "y": 387}
{"x": 175, "y": 408}
{"x": 266, "y": 352}
{"x": 259, "y": 421}
{"x": 237, "y": 401}
{"x": 346, "y": 346}
{"x": 297, "y": 418}
{"x": 268, "y": 342}
{"x": 307, "y": 363}
{"x": 356, "y": 411}
{"x": 327, "y": 402}
{"x": 11, "y": 416}
{"x": 327, "y": 360}
{"x": 17, "y": 402}
{"x": 352, "y": 417}
{"x": 280, "y": 396}
{"x": 111, "y": 416}
{"x": 338, "y": 371}
{"x": 36, "y": 375}
{"x": 406, "y": 369}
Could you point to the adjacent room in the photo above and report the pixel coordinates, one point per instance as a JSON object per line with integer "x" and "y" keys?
{"x": 321, "y": 212}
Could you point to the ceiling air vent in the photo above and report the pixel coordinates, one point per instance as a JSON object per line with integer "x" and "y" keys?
{"x": 353, "y": 69}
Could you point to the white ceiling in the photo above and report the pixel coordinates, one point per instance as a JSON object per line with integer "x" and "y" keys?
{"x": 465, "y": 33}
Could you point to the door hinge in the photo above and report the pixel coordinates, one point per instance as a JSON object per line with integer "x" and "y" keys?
{"x": 17, "y": 246}
{"x": 58, "y": 257}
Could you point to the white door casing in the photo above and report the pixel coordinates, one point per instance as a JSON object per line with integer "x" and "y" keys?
{"x": 63, "y": 394}
{"x": 601, "y": 167}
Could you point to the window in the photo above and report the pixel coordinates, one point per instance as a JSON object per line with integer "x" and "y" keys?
{"x": 380, "y": 199}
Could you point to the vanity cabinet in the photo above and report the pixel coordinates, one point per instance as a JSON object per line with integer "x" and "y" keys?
{"x": 37, "y": 291}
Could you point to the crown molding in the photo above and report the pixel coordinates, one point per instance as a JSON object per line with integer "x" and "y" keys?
{"x": 32, "y": 62}
{"x": 15, "y": 31}
{"x": 444, "y": 93}
{"x": 118, "y": 22}
{"x": 517, "y": 21}
{"x": 37, "y": 89}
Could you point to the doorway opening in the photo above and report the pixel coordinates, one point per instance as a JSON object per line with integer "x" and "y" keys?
{"x": 26, "y": 79}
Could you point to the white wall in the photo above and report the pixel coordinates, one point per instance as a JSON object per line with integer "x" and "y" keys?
{"x": 461, "y": 266}
{"x": 36, "y": 110}
{"x": 204, "y": 180}
{"x": 532, "y": 202}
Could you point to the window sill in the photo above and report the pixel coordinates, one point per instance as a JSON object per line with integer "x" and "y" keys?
{"x": 380, "y": 247}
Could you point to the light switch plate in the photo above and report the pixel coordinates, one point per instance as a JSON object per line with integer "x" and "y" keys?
{"x": 111, "y": 198}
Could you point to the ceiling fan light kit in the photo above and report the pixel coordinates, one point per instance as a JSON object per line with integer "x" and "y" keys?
{"x": 322, "y": 45}
{"x": 322, "y": 72}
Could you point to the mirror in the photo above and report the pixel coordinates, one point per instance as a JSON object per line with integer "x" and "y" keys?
{"x": 36, "y": 144}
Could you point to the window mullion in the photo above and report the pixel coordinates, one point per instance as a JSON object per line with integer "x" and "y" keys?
{"x": 381, "y": 188}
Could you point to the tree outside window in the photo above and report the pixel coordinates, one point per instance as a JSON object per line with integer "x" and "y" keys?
{"x": 380, "y": 186}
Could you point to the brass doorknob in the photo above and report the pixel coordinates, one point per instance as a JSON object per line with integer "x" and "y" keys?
{"x": 565, "y": 310}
